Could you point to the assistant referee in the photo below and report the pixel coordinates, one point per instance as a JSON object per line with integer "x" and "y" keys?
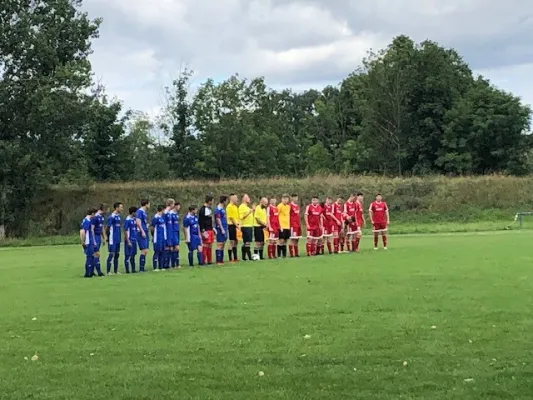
{"x": 232, "y": 213}
{"x": 246, "y": 216}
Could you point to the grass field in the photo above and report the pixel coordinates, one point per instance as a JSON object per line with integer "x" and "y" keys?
{"x": 207, "y": 333}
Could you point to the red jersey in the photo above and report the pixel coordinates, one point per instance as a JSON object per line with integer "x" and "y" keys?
{"x": 337, "y": 211}
{"x": 273, "y": 218}
{"x": 349, "y": 209}
{"x": 379, "y": 212}
{"x": 359, "y": 213}
{"x": 314, "y": 215}
{"x": 329, "y": 209}
{"x": 295, "y": 215}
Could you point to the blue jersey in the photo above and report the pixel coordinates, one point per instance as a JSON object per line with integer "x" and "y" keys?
{"x": 143, "y": 217}
{"x": 98, "y": 223}
{"x": 160, "y": 229}
{"x": 130, "y": 226}
{"x": 86, "y": 225}
{"x": 114, "y": 224}
{"x": 190, "y": 223}
{"x": 220, "y": 218}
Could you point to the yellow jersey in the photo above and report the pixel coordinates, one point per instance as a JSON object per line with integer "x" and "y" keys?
{"x": 232, "y": 214}
{"x": 246, "y": 221}
{"x": 260, "y": 214}
{"x": 284, "y": 216}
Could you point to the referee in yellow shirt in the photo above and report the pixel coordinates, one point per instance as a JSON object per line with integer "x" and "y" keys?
{"x": 285, "y": 225}
{"x": 260, "y": 224}
{"x": 246, "y": 216}
{"x": 232, "y": 214}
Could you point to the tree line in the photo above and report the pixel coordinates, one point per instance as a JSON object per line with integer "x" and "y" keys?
{"x": 410, "y": 109}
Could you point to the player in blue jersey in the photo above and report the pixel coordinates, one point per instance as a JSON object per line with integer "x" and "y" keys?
{"x": 88, "y": 243}
{"x": 99, "y": 235}
{"x": 159, "y": 237}
{"x": 170, "y": 204}
{"x": 221, "y": 226}
{"x": 173, "y": 235}
{"x": 192, "y": 236}
{"x": 142, "y": 230}
{"x": 114, "y": 226}
{"x": 130, "y": 240}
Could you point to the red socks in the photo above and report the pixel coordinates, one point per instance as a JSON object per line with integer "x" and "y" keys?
{"x": 376, "y": 238}
{"x": 336, "y": 244}
{"x": 384, "y": 240}
{"x": 357, "y": 241}
{"x": 271, "y": 251}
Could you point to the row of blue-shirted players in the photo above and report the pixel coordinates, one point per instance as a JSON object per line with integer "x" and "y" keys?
{"x": 165, "y": 237}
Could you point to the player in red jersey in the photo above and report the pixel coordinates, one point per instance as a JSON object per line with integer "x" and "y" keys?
{"x": 296, "y": 227}
{"x": 351, "y": 225}
{"x": 322, "y": 238}
{"x": 331, "y": 224}
{"x": 359, "y": 219}
{"x": 379, "y": 218}
{"x": 273, "y": 227}
{"x": 338, "y": 240}
{"x": 313, "y": 223}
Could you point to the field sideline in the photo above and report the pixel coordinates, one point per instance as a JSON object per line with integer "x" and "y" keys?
{"x": 457, "y": 310}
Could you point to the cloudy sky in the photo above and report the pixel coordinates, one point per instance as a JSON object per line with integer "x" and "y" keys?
{"x": 297, "y": 43}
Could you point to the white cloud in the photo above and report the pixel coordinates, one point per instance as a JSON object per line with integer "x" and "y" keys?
{"x": 297, "y": 43}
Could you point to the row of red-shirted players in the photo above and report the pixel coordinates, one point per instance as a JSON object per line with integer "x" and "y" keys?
{"x": 335, "y": 224}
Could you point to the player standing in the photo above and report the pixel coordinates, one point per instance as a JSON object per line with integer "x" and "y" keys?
{"x": 246, "y": 216}
{"x": 339, "y": 215}
{"x": 114, "y": 224}
{"x": 350, "y": 220}
{"x": 130, "y": 240}
{"x": 331, "y": 228}
{"x": 232, "y": 213}
{"x": 159, "y": 238}
{"x": 260, "y": 224}
{"x": 192, "y": 236}
{"x": 221, "y": 228}
{"x": 88, "y": 242}
{"x": 296, "y": 227}
{"x": 273, "y": 228}
{"x": 172, "y": 219}
{"x": 313, "y": 223}
{"x": 380, "y": 220}
{"x": 99, "y": 235}
{"x": 360, "y": 220}
{"x": 170, "y": 203}
{"x": 284, "y": 210}
{"x": 205, "y": 219}
{"x": 142, "y": 228}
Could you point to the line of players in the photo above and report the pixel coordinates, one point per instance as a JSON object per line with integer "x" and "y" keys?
{"x": 336, "y": 225}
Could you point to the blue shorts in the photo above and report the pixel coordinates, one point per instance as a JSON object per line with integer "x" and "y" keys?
{"x": 113, "y": 248}
{"x": 98, "y": 240}
{"x": 173, "y": 240}
{"x": 196, "y": 241}
{"x": 221, "y": 238}
{"x": 130, "y": 250}
{"x": 160, "y": 246}
{"x": 143, "y": 243}
{"x": 88, "y": 250}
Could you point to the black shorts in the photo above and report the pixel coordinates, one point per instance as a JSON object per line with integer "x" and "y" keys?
{"x": 232, "y": 232}
{"x": 247, "y": 234}
{"x": 285, "y": 234}
{"x": 259, "y": 234}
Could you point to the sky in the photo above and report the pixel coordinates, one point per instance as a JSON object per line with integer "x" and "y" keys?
{"x": 300, "y": 44}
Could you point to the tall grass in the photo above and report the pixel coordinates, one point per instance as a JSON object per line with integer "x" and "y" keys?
{"x": 433, "y": 200}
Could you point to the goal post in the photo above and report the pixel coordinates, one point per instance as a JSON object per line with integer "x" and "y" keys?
{"x": 520, "y": 219}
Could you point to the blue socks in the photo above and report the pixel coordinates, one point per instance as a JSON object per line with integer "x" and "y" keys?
{"x": 127, "y": 264}
{"x": 89, "y": 266}
{"x": 200, "y": 256}
{"x": 155, "y": 260}
{"x": 142, "y": 262}
{"x": 132, "y": 262}
{"x": 109, "y": 260}
{"x": 115, "y": 262}
{"x": 219, "y": 256}
{"x": 191, "y": 255}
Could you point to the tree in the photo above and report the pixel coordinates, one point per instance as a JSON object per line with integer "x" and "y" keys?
{"x": 44, "y": 72}
{"x": 486, "y": 133}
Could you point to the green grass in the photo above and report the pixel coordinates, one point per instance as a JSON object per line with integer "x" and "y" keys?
{"x": 206, "y": 333}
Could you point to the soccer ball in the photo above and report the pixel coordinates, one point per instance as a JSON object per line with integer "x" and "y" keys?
{"x": 255, "y": 257}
